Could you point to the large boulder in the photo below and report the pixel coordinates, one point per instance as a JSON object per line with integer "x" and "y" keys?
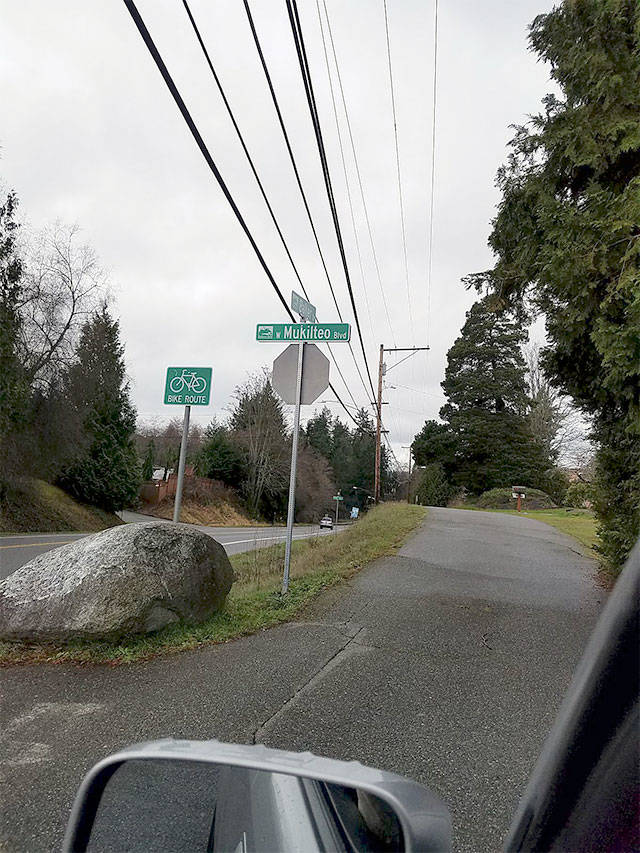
{"x": 131, "y": 579}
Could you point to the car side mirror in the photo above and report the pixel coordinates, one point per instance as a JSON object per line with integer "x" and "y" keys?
{"x": 209, "y": 796}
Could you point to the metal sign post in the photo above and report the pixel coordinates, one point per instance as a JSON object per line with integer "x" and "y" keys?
{"x": 183, "y": 455}
{"x": 311, "y": 379}
{"x": 186, "y": 386}
{"x": 291, "y": 509}
{"x": 337, "y": 498}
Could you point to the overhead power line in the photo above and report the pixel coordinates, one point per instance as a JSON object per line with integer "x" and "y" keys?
{"x": 186, "y": 115}
{"x": 242, "y": 143}
{"x": 296, "y": 172}
{"x": 292, "y": 158}
{"x": 433, "y": 165}
{"x": 400, "y": 196}
{"x": 344, "y": 168}
{"x": 298, "y": 38}
{"x": 358, "y": 174}
{"x": 255, "y": 172}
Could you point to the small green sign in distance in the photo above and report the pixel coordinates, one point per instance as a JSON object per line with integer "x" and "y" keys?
{"x": 331, "y": 333}
{"x": 303, "y": 307}
{"x": 187, "y": 386}
{"x": 337, "y": 498}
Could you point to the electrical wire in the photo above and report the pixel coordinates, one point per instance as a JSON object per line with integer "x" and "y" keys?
{"x": 294, "y": 165}
{"x": 344, "y": 169}
{"x": 433, "y": 167}
{"x": 391, "y": 450}
{"x": 255, "y": 172}
{"x": 416, "y": 390}
{"x": 186, "y": 115}
{"x": 292, "y": 158}
{"x": 242, "y": 142}
{"x": 395, "y": 134}
{"x": 298, "y": 38}
{"x": 359, "y": 176}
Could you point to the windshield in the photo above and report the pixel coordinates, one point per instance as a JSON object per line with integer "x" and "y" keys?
{"x": 320, "y": 392}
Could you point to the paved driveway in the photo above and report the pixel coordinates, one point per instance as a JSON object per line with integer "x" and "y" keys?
{"x": 445, "y": 662}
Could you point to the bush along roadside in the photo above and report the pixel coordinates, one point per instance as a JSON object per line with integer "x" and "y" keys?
{"x": 254, "y": 602}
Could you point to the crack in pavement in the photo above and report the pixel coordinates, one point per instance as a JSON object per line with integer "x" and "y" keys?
{"x": 329, "y": 664}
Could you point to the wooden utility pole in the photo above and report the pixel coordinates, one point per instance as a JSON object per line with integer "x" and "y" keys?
{"x": 379, "y": 404}
{"x": 376, "y": 488}
{"x": 409, "y": 448}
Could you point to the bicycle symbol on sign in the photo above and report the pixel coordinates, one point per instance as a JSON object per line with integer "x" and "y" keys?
{"x": 188, "y": 381}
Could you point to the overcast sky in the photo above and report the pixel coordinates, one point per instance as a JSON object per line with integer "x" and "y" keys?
{"x": 90, "y": 135}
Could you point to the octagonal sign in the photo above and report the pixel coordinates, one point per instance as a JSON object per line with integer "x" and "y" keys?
{"x": 315, "y": 374}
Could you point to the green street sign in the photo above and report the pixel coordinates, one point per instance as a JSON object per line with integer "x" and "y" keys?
{"x": 289, "y": 333}
{"x": 302, "y": 307}
{"x": 337, "y": 498}
{"x": 187, "y": 386}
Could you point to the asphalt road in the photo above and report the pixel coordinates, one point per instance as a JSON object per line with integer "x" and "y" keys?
{"x": 16, "y": 550}
{"x": 445, "y": 662}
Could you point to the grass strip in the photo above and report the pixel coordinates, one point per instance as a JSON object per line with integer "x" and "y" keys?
{"x": 579, "y": 523}
{"x": 254, "y": 602}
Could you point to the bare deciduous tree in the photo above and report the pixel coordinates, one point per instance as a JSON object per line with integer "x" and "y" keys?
{"x": 554, "y": 422}
{"x": 63, "y": 284}
{"x": 167, "y": 438}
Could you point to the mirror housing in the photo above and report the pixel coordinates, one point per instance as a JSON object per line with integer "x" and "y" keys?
{"x": 423, "y": 818}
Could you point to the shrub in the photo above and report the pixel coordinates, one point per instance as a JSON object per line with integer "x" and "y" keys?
{"x": 578, "y": 494}
{"x": 501, "y": 499}
{"x": 555, "y": 483}
{"x": 434, "y": 489}
{"x": 616, "y": 498}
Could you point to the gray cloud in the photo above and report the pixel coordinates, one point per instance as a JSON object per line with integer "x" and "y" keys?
{"x": 90, "y": 135}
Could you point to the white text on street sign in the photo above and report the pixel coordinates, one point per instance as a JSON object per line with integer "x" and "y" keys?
{"x": 331, "y": 333}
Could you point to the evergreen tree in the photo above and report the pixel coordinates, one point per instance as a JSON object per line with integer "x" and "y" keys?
{"x": 434, "y": 488}
{"x": 566, "y": 237}
{"x": 363, "y": 453}
{"x": 351, "y": 454}
{"x": 220, "y": 457}
{"x": 105, "y": 473}
{"x": 341, "y": 459}
{"x": 14, "y": 387}
{"x": 435, "y": 443}
{"x": 147, "y": 462}
{"x": 485, "y": 385}
{"x": 318, "y": 432}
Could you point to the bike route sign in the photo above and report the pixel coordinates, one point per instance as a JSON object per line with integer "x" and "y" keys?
{"x": 187, "y": 386}
{"x": 289, "y": 333}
